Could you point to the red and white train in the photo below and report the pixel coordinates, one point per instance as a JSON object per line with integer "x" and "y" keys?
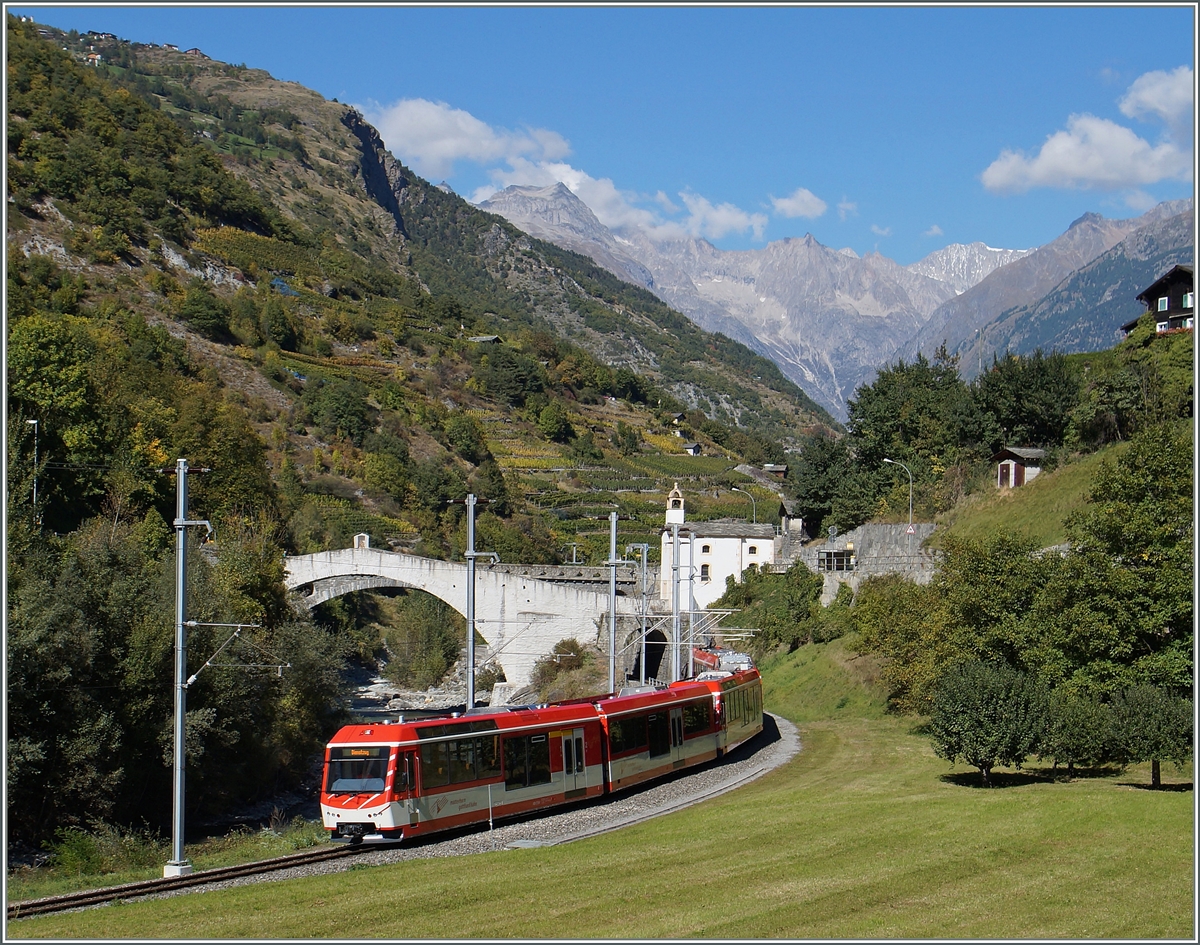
{"x": 388, "y": 781}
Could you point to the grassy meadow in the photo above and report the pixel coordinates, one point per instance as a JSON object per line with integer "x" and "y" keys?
{"x": 1038, "y": 508}
{"x": 864, "y": 834}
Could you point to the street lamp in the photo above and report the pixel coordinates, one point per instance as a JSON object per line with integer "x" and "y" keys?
{"x": 909, "y": 471}
{"x": 753, "y": 504}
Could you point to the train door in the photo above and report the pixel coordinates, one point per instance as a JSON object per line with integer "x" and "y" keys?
{"x": 677, "y": 735}
{"x": 404, "y": 785}
{"x": 574, "y": 765}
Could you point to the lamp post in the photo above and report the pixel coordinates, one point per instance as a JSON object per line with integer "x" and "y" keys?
{"x": 35, "y": 466}
{"x": 909, "y": 471}
{"x": 753, "y": 504}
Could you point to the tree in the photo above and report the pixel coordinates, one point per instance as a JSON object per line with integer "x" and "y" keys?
{"x": 817, "y": 477}
{"x": 204, "y": 312}
{"x": 1079, "y": 730}
{"x": 987, "y": 714}
{"x": 1030, "y": 396}
{"x": 1136, "y": 532}
{"x": 466, "y": 437}
{"x": 626, "y": 439}
{"x": 1150, "y": 724}
{"x": 554, "y": 423}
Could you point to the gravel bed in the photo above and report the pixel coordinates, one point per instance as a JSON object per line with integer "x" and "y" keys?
{"x": 777, "y": 744}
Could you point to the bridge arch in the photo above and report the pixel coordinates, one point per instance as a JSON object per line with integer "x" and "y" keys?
{"x": 520, "y": 616}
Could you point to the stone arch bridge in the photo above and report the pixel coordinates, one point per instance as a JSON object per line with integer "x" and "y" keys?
{"x": 520, "y": 610}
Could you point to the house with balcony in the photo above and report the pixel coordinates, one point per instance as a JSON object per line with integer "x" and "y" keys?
{"x": 1170, "y": 300}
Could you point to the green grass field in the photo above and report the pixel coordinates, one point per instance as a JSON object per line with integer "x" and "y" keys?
{"x": 864, "y": 834}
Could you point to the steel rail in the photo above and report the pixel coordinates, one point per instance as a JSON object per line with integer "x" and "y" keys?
{"x": 91, "y": 897}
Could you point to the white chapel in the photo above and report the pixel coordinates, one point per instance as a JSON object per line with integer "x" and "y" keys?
{"x": 708, "y": 552}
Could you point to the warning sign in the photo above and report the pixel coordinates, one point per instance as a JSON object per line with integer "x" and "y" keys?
{"x": 911, "y": 530}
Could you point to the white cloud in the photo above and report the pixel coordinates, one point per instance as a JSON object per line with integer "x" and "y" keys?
{"x": 1140, "y": 201}
{"x": 431, "y": 136}
{"x": 714, "y": 221}
{"x": 881, "y": 230}
{"x": 847, "y": 209}
{"x": 1098, "y": 152}
{"x": 1167, "y": 96}
{"x": 802, "y": 203}
{"x": 666, "y": 203}
{"x": 1091, "y": 152}
{"x": 934, "y": 230}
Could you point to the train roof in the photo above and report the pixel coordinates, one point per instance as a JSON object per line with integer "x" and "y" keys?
{"x": 509, "y": 718}
{"x": 457, "y": 724}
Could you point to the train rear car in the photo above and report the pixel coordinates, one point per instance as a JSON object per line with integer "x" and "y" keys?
{"x": 738, "y": 699}
{"x": 652, "y": 732}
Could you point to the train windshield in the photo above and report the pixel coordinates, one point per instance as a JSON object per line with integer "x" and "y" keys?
{"x": 356, "y": 770}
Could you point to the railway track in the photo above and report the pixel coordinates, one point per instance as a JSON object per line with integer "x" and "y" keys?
{"x": 93, "y": 897}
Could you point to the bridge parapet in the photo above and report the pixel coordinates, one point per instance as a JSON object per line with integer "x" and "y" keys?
{"x": 571, "y": 573}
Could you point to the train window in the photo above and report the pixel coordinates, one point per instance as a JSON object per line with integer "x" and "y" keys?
{"x": 660, "y": 734}
{"x": 459, "y": 761}
{"x": 356, "y": 770}
{"x": 696, "y": 718}
{"x": 462, "y": 760}
{"x": 435, "y": 765}
{"x": 487, "y": 756}
{"x": 627, "y": 734}
{"x": 526, "y": 761}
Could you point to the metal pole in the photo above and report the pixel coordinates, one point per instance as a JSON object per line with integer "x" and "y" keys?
{"x": 470, "y": 601}
{"x": 35, "y": 467}
{"x": 178, "y": 866}
{"x": 675, "y": 602}
{"x": 612, "y": 602}
{"x": 645, "y": 551}
{"x": 691, "y": 600}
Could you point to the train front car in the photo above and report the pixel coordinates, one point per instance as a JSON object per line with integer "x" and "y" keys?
{"x": 365, "y": 786}
{"x": 387, "y": 782}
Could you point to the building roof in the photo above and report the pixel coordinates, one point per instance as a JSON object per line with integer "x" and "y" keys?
{"x": 727, "y": 530}
{"x": 1175, "y": 274}
{"x": 1018, "y": 452}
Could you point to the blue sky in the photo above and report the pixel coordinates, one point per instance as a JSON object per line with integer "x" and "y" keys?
{"x": 896, "y": 129}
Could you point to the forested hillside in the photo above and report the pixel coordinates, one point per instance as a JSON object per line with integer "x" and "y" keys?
{"x": 205, "y": 262}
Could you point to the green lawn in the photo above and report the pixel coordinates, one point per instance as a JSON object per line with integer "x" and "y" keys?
{"x": 865, "y": 834}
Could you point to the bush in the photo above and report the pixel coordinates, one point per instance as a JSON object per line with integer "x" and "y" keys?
{"x": 106, "y": 849}
{"x": 987, "y": 714}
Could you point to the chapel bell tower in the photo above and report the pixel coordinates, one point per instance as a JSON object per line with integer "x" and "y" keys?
{"x": 675, "y": 506}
